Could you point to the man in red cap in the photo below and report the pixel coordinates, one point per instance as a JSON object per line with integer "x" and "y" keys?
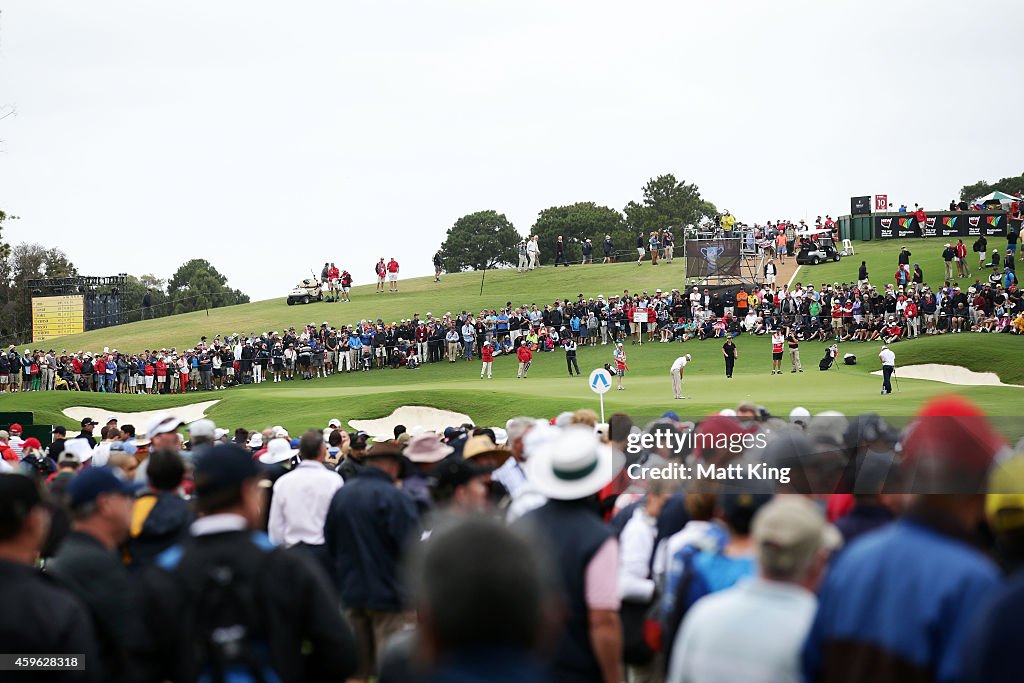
{"x": 897, "y": 604}
{"x": 15, "y": 442}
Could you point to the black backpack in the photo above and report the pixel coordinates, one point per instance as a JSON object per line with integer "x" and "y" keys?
{"x": 228, "y": 628}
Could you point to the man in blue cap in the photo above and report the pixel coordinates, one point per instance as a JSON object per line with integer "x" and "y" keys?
{"x": 227, "y": 602}
{"x": 89, "y": 564}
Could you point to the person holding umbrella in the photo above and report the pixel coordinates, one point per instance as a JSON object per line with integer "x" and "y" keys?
{"x": 888, "y": 359}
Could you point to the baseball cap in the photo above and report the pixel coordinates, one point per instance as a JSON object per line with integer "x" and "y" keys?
{"x": 94, "y": 482}
{"x": 225, "y": 466}
{"x": 335, "y": 422}
{"x": 950, "y": 447}
{"x": 15, "y": 428}
{"x": 67, "y": 458}
{"x": 788, "y": 532}
{"x": 59, "y": 429}
{"x": 202, "y": 428}
{"x": 1004, "y": 503}
{"x": 162, "y": 423}
{"x": 89, "y": 421}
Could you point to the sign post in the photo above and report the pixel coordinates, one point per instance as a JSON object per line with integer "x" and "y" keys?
{"x": 881, "y": 202}
{"x": 600, "y": 382}
{"x": 640, "y": 316}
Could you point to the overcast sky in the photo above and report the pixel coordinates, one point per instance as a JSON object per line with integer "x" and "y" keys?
{"x": 269, "y": 137}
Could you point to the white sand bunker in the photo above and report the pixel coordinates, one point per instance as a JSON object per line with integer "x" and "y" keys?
{"x": 949, "y": 374}
{"x": 186, "y": 413}
{"x": 415, "y": 418}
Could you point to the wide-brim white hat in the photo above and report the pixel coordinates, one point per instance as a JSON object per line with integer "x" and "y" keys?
{"x": 568, "y": 463}
{"x": 278, "y": 450}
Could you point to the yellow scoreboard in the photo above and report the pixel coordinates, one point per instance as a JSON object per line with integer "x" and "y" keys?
{"x": 55, "y": 316}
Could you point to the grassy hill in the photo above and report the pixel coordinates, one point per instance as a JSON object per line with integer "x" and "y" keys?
{"x": 454, "y": 293}
{"x": 548, "y": 390}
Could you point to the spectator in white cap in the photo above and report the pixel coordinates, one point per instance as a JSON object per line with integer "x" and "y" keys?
{"x": 723, "y": 635}
{"x": 201, "y": 435}
{"x": 800, "y": 416}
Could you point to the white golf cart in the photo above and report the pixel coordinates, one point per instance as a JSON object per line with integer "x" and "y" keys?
{"x": 818, "y": 246}
{"x": 305, "y": 292}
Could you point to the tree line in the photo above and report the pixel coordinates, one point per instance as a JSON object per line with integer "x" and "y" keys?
{"x": 1011, "y": 185}
{"x": 195, "y": 286}
{"x": 487, "y": 239}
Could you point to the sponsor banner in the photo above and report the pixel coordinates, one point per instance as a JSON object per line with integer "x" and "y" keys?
{"x": 941, "y": 225}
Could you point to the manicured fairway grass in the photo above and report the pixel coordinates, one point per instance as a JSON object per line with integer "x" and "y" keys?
{"x": 549, "y": 390}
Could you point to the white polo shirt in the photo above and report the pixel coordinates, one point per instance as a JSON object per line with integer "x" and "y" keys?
{"x": 887, "y": 357}
{"x": 679, "y": 363}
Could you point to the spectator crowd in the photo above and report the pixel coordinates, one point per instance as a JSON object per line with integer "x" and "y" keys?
{"x": 544, "y": 550}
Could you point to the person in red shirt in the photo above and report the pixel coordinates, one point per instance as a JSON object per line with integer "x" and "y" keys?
{"x": 961, "y": 259}
{"x": 487, "y": 356}
{"x": 922, "y": 220}
{"x": 913, "y": 322}
{"x": 76, "y": 369}
{"x": 161, "y": 375}
{"x": 149, "y": 371}
{"x": 525, "y": 358}
{"x": 392, "y": 275}
{"x": 382, "y": 272}
{"x": 333, "y": 274}
{"x": 100, "y": 369}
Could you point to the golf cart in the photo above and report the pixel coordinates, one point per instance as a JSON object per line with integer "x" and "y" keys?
{"x": 306, "y": 291}
{"x": 818, "y": 246}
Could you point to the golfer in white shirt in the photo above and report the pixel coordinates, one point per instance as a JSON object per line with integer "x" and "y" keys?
{"x": 678, "y": 366}
{"x": 888, "y": 359}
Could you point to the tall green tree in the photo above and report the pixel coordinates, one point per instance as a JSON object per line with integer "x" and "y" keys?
{"x": 1010, "y": 185}
{"x": 197, "y": 285}
{"x": 26, "y": 262}
{"x": 668, "y": 203}
{"x": 577, "y": 222}
{"x": 480, "y": 240}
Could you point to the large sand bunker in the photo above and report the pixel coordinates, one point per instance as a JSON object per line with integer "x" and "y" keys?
{"x": 186, "y": 413}
{"x": 415, "y": 418}
{"x": 950, "y": 374}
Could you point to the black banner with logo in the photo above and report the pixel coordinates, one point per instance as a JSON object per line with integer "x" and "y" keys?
{"x": 954, "y": 225}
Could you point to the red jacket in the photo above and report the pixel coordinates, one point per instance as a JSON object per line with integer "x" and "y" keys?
{"x": 524, "y": 354}
{"x": 911, "y": 310}
{"x": 487, "y": 353}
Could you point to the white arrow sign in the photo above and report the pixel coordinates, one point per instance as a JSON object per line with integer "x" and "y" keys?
{"x": 600, "y": 381}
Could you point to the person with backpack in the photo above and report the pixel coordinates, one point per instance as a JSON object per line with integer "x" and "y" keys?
{"x": 226, "y": 604}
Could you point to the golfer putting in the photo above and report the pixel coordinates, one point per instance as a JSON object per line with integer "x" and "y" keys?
{"x": 678, "y": 367}
{"x": 888, "y": 359}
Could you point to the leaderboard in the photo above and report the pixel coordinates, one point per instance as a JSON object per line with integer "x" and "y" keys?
{"x": 56, "y": 316}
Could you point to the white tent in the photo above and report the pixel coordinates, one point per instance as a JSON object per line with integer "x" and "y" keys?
{"x": 1001, "y": 197}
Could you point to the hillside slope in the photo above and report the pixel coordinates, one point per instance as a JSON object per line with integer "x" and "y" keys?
{"x": 454, "y": 293}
